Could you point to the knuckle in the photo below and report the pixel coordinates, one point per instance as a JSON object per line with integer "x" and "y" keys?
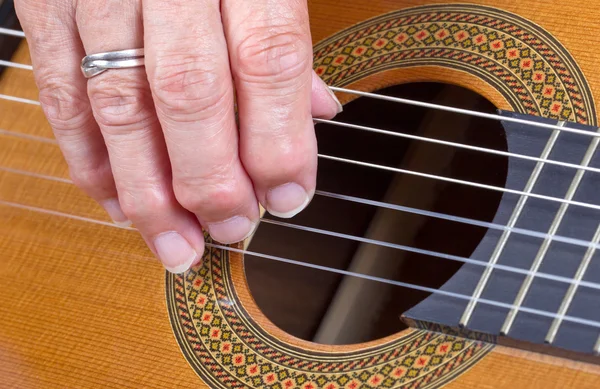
{"x": 182, "y": 87}
{"x": 119, "y": 101}
{"x": 279, "y": 56}
{"x": 91, "y": 179}
{"x": 146, "y": 204}
{"x": 281, "y": 163}
{"x": 34, "y": 13}
{"x": 64, "y": 105}
{"x": 220, "y": 196}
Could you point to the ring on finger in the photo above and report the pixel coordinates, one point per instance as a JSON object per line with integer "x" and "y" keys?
{"x": 94, "y": 64}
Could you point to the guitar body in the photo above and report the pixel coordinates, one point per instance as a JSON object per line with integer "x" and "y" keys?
{"x": 84, "y": 304}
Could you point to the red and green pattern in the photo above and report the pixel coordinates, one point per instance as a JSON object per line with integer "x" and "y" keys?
{"x": 523, "y": 62}
{"x": 229, "y": 350}
{"x": 536, "y": 75}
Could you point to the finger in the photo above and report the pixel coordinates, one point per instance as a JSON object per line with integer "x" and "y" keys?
{"x": 270, "y": 51}
{"x": 123, "y": 107}
{"x": 188, "y": 69}
{"x": 324, "y": 103}
{"x": 56, "y": 52}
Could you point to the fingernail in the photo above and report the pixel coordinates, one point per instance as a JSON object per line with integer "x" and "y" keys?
{"x": 325, "y": 104}
{"x": 175, "y": 252}
{"x": 287, "y": 200}
{"x": 113, "y": 208}
{"x": 334, "y": 97}
{"x": 232, "y": 230}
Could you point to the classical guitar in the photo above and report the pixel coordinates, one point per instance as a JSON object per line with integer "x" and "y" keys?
{"x": 453, "y": 241}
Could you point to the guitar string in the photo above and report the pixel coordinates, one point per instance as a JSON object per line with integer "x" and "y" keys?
{"x": 458, "y": 219}
{"x": 16, "y": 65}
{"x": 22, "y": 135}
{"x": 19, "y": 99}
{"x": 467, "y": 112}
{"x": 10, "y": 32}
{"x": 340, "y": 159}
{"x": 457, "y": 145}
{"x": 538, "y": 312}
{"x": 509, "y": 269}
{"x": 572, "y": 241}
{"x": 427, "y": 175}
{"x": 403, "y": 135}
{"x": 379, "y": 131}
{"x": 461, "y": 182}
{"x": 490, "y": 265}
{"x": 359, "y": 200}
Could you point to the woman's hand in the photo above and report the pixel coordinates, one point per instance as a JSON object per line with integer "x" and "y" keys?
{"x": 158, "y": 145}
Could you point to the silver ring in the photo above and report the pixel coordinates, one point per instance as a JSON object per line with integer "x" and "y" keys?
{"x": 94, "y": 64}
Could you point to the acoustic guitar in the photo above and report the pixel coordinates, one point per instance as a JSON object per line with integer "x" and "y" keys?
{"x": 453, "y": 241}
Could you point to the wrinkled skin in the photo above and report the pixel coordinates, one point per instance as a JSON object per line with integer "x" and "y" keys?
{"x": 158, "y": 146}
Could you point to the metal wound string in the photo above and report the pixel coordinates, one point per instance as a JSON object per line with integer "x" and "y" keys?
{"x": 457, "y": 145}
{"x": 408, "y": 136}
{"x": 375, "y": 130}
{"x": 15, "y": 65}
{"x": 462, "y": 111}
{"x": 419, "y": 174}
{"x": 400, "y": 100}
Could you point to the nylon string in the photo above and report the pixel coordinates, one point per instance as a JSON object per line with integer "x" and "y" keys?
{"x": 578, "y": 320}
{"x": 375, "y": 203}
{"x": 436, "y": 254}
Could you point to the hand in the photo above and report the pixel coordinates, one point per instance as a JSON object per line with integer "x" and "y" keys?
{"x": 159, "y": 145}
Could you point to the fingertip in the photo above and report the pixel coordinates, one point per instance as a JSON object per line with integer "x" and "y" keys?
{"x": 176, "y": 253}
{"x": 287, "y": 200}
{"x": 113, "y": 208}
{"x": 325, "y": 104}
{"x": 232, "y": 230}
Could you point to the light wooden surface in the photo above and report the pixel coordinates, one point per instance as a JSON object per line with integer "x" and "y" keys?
{"x": 83, "y": 304}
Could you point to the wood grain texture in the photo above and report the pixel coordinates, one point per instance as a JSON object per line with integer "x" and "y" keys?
{"x": 83, "y": 304}
{"x": 573, "y": 24}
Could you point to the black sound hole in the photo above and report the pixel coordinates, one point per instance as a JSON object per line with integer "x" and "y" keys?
{"x": 334, "y": 309}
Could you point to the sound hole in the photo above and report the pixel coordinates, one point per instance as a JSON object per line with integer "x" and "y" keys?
{"x": 331, "y": 308}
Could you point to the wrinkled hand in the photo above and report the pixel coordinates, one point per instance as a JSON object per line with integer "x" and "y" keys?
{"x": 158, "y": 145}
